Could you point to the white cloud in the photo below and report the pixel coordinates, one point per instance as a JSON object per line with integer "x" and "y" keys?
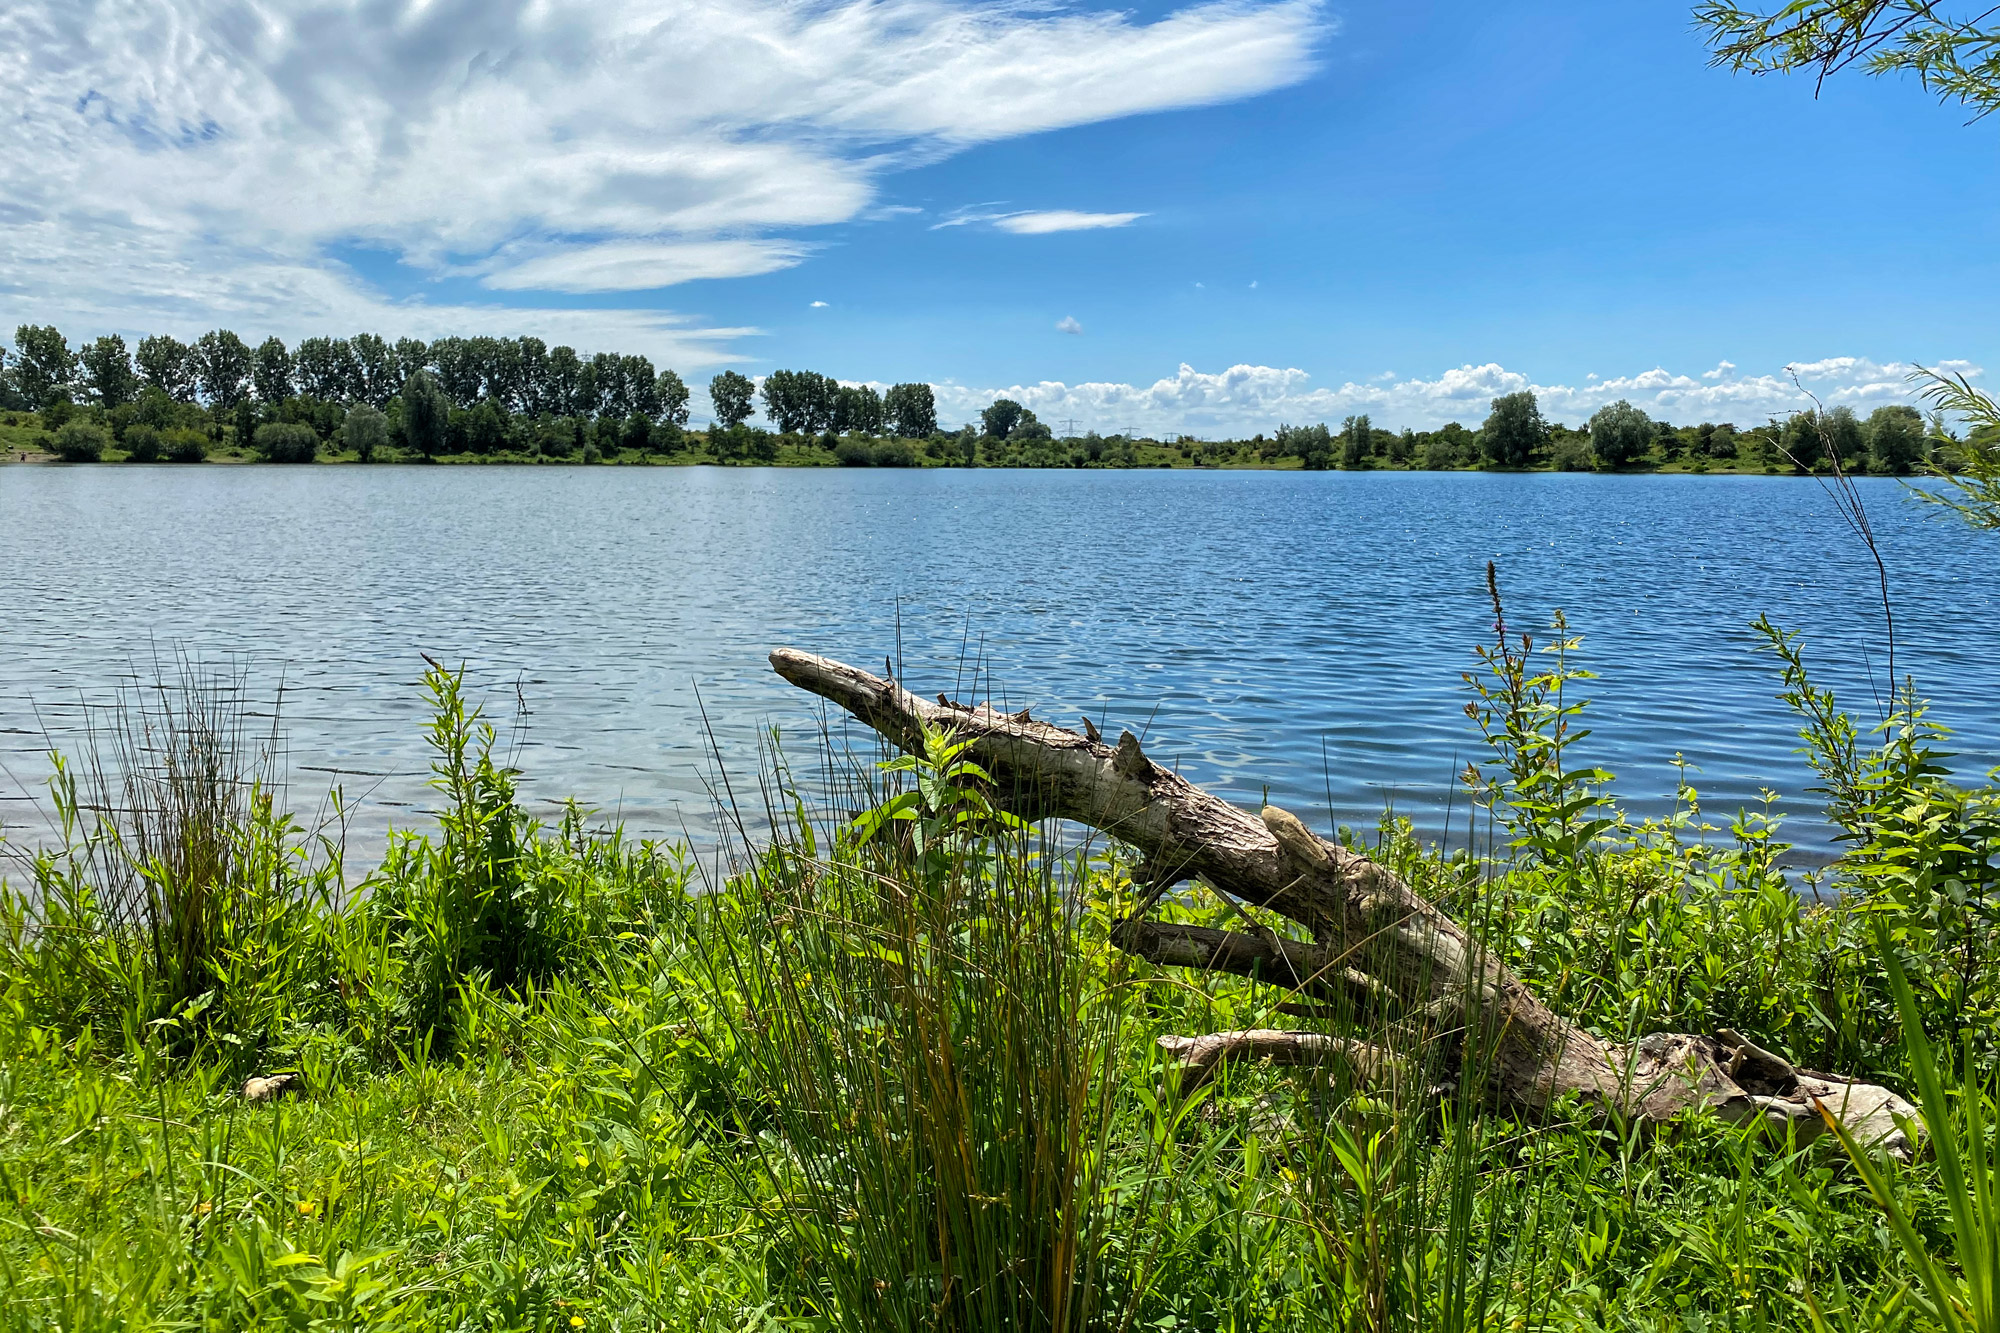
{"x": 1033, "y": 222}
{"x": 1068, "y": 324}
{"x": 1062, "y": 219}
{"x": 1722, "y": 368}
{"x": 1244, "y": 399}
{"x": 190, "y": 162}
{"x": 623, "y": 266}
{"x": 817, "y": 305}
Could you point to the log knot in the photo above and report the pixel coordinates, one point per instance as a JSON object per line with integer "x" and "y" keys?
{"x": 1296, "y": 842}
{"x": 1131, "y": 761}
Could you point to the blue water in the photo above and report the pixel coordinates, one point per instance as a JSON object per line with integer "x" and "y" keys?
{"x": 1297, "y": 633}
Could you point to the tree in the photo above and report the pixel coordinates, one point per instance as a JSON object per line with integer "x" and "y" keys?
{"x": 455, "y": 371}
{"x": 857, "y": 410}
{"x": 107, "y": 369}
{"x": 642, "y": 388}
{"x": 222, "y": 363}
{"x": 167, "y": 364}
{"x": 531, "y": 375}
{"x": 271, "y": 371}
{"x": 412, "y": 355}
{"x": 376, "y": 364}
{"x": 1030, "y": 428}
{"x": 426, "y": 413}
{"x": 1842, "y": 432}
{"x": 1312, "y": 444}
{"x": 485, "y": 428}
{"x": 365, "y": 431}
{"x": 1895, "y": 439}
{"x": 731, "y": 395}
{"x": 1001, "y": 418}
{"x": 1954, "y": 55}
{"x": 1355, "y": 437}
{"x": 911, "y": 410}
{"x": 672, "y": 394}
{"x": 44, "y": 366}
{"x": 1620, "y": 434}
{"x": 1514, "y": 430}
{"x": 800, "y": 402}
{"x": 326, "y": 369}
{"x": 563, "y": 389}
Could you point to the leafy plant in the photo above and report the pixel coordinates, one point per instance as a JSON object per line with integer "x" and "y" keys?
{"x": 1968, "y": 1174}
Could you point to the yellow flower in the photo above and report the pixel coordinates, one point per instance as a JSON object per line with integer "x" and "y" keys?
{"x": 307, "y": 1207}
{"x": 576, "y": 1321}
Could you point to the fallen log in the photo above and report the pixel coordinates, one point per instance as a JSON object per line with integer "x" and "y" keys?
{"x": 1369, "y": 932}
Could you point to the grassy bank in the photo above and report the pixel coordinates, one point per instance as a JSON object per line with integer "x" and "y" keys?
{"x": 890, "y": 1074}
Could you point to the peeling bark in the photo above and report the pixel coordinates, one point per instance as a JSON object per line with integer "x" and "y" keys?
{"x": 1371, "y": 935}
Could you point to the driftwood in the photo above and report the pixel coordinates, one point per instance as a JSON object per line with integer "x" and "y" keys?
{"x": 1372, "y": 939}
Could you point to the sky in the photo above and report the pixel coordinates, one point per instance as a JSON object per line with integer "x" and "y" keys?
{"x": 1200, "y": 217}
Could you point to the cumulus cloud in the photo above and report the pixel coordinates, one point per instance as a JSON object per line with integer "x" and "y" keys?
{"x": 1068, "y": 324}
{"x": 817, "y": 305}
{"x": 1244, "y": 399}
{"x": 188, "y": 162}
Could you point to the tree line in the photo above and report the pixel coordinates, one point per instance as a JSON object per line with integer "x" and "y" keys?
{"x": 479, "y": 395}
{"x": 368, "y": 396}
{"x": 1893, "y": 440}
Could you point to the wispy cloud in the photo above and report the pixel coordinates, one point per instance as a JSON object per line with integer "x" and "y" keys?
{"x": 185, "y": 163}
{"x": 1062, "y": 219}
{"x": 621, "y": 266}
{"x": 1068, "y": 324}
{"x": 818, "y": 305}
{"x": 1033, "y": 222}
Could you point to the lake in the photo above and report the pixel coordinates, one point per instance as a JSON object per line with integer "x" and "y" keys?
{"x": 1297, "y": 633}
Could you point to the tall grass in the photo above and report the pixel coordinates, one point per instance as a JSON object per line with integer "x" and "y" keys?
{"x": 930, "y": 1060}
{"x": 171, "y": 905}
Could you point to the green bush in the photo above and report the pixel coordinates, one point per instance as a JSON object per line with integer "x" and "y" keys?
{"x": 852, "y": 452}
{"x": 895, "y": 453}
{"x": 182, "y": 445}
{"x": 287, "y": 442}
{"x": 366, "y": 432}
{"x": 1573, "y": 453}
{"x": 80, "y": 441}
{"x": 142, "y": 444}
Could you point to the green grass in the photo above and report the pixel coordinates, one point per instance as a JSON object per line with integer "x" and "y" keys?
{"x": 892, "y": 1076}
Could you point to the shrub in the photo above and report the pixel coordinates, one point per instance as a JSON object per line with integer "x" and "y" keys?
{"x": 142, "y": 444}
{"x": 895, "y": 453}
{"x": 1572, "y": 454}
{"x": 287, "y": 442}
{"x": 851, "y": 452}
{"x": 79, "y": 442}
{"x": 591, "y": 454}
{"x": 184, "y": 446}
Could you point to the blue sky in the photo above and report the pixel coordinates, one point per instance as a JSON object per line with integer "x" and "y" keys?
{"x": 1398, "y": 209}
